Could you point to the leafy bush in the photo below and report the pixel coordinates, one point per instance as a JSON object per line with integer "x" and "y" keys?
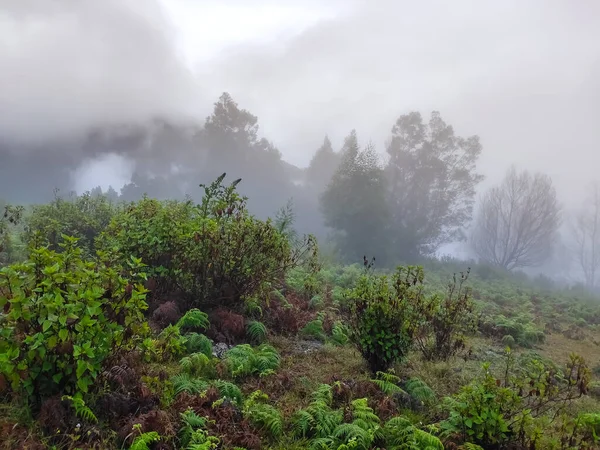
{"x": 339, "y": 333}
{"x": 262, "y": 415}
{"x": 314, "y": 328}
{"x": 444, "y": 321}
{"x": 10, "y": 218}
{"x": 490, "y": 411}
{"x": 198, "y": 343}
{"x": 215, "y": 253}
{"x": 83, "y": 217}
{"x": 63, "y": 316}
{"x": 381, "y": 315}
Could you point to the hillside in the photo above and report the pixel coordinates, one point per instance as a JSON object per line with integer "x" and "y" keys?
{"x": 169, "y": 325}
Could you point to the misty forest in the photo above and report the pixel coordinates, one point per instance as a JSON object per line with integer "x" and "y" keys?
{"x": 276, "y": 267}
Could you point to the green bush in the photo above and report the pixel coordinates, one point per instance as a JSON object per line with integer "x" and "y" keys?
{"x": 64, "y": 316}
{"x": 83, "y": 217}
{"x": 245, "y": 360}
{"x": 511, "y": 411}
{"x": 213, "y": 253}
{"x": 381, "y": 315}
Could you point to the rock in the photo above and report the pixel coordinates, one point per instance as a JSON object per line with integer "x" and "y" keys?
{"x": 219, "y": 349}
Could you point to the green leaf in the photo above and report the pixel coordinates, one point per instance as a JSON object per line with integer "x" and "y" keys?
{"x": 46, "y": 325}
{"x": 63, "y": 334}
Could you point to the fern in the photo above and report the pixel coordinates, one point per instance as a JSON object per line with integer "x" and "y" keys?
{"x": 387, "y": 383}
{"x": 419, "y": 390}
{"x": 185, "y": 383}
{"x": 198, "y": 343}
{"x": 193, "y": 319}
{"x": 228, "y": 390}
{"x": 263, "y": 416}
{"x": 192, "y": 433}
{"x": 81, "y": 409}
{"x": 195, "y": 364}
{"x": 256, "y": 331}
{"x": 314, "y": 328}
{"x": 401, "y": 434}
{"x": 142, "y": 441}
{"x": 316, "y": 302}
{"x": 244, "y": 360}
{"x": 339, "y": 333}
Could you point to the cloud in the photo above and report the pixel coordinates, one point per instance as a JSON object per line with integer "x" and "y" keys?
{"x": 519, "y": 74}
{"x": 67, "y": 65}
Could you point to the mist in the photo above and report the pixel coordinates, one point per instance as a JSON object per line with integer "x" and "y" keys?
{"x": 117, "y": 93}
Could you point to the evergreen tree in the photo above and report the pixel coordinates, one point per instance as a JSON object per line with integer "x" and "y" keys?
{"x": 354, "y": 203}
{"x": 322, "y": 166}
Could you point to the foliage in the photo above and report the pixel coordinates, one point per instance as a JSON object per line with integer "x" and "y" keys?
{"x": 143, "y": 440}
{"x": 11, "y": 217}
{"x": 381, "y": 314}
{"x": 196, "y": 364}
{"x": 81, "y": 409}
{"x": 193, "y": 435}
{"x": 445, "y": 321}
{"x": 214, "y": 252}
{"x": 64, "y": 316}
{"x": 314, "y": 328}
{"x": 339, "y": 333}
{"x": 193, "y": 319}
{"x": 83, "y": 217}
{"x": 198, "y": 343}
{"x": 491, "y": 411}
{"x": 262, "y": 415}
{"x": 244, "y": 360}
{"x": 401, "y": 434}
{"x": 256, "y": 331}
{"x": 432, "y": 177}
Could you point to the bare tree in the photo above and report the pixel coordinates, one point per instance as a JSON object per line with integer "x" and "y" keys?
{"x": 517, "y": 221}
{"x": 586, "y": 235}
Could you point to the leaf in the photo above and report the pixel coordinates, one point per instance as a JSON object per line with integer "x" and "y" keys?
{"x": 46, "y": 325}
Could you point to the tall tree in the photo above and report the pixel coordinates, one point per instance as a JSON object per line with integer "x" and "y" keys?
{"x": 517, "y": 221}
{"x": 229, "y": 132}
{"x": 322, "y": 166}
{"x": 586, "y": 234}
{"x": 432, "y": 178}
{"x": 354, "y": 203}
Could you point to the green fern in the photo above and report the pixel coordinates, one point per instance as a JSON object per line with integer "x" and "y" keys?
{"x": 245, "y": 360}
{"x": 316, "y": 302}
{"x": 339, "y": 333}
{"x": 401, "y": 434}
{"x": 81, "y": 409}
{"x": 183, "y": 382}
{"x": 192, "y": 422}
{"x": 228, "y": 390}
{"x": 198, "y": 343}
{"x": 262, "y": 415}
{"x": 388, "y": 383}
{"x": 193, "y": 319}
{"x": 256, "y": 331}
{"x": 196, "y": 364}
{"x": 142, "y": 441}
{"x": 314, "y": 328}
{"x": 419, "y": 390}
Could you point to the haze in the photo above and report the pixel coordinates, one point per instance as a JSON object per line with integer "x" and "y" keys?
{"x": 523, "y": 76}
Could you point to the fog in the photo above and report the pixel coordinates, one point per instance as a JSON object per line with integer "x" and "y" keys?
{"x": 89, "y": 87}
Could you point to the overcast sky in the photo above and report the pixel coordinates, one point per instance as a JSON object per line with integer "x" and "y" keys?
{"x": 523, "y": 75}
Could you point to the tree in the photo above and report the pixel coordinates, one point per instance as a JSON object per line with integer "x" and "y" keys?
{"x": 354, "y": 202}
{"x": 517, "y": 221}
{"x": 586, "y": 234}
{"x": 322, "y": 166}
{"x": 432, "y": 179}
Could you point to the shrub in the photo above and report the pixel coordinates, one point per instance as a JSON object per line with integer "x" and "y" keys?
{"x": 64, "y": 316}
{"x": 214, "y": 253}
{"x": 314, "y": 328}
{"x": 492, "y": 412}
{"x": 380, "y": 315}
{"x": 444, "y": 321}
{"x": 83, "y": 217}
{"x": 11, "y": 216}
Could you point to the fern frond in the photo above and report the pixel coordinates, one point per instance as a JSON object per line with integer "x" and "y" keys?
{"x": 339, "y": 333}
{"x": 142, "y": 441}
{"x": 198, "y": 343}
{"x": 228, "y": 390}
{"x": 81, "y": 409}
{"x": 183, "y": 382}
{"x": 418, "y": 389}
{"x": 193, "y": 319}
{"x": 195, "y": 364}
{"x": 256, "y": 331}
